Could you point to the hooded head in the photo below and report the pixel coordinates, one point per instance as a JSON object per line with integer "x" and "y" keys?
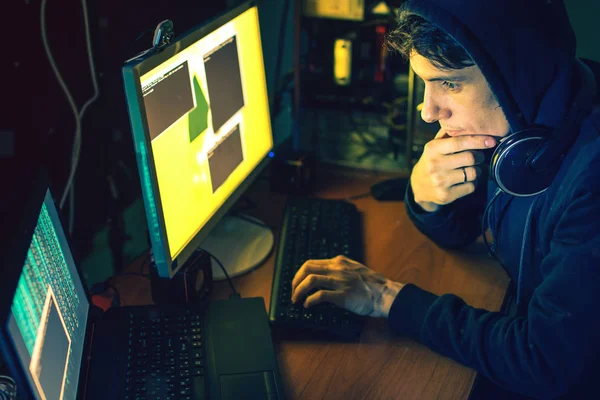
{"x": 524, "y": 51}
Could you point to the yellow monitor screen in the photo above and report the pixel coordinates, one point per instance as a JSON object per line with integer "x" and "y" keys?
{"x": 208, "y": 122}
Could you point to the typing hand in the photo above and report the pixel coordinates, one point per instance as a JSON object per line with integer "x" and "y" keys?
{"x": 347, "y": 284}
{"x": 447, "y": 169}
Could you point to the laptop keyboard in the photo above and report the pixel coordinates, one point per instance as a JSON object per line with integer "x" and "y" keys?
{"x": 166, "y": 357}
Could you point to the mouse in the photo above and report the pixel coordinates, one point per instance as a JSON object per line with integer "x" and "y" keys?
{"x": 390, "y": 189}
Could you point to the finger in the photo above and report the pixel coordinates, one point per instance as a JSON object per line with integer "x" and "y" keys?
{"x": 458, "y": 175}
{"x": 324, "y": 296}
{"x": 464, "y": 159}
{"x": 310, "y": 267}
{"x": 441, "y": 134}
{"x": 341, "y": 260}
{"x": 457, "y": 144}
{"x": 460, "y": 190}
{"x": 312, "y": 282}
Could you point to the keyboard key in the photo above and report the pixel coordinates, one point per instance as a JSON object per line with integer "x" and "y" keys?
{"x": 294, "y": 317}
{"x": 307, "y": 316}
{"x": 185, "y": 382}
{"x": 322, "y": 318}
{"x": 196, "y": 354}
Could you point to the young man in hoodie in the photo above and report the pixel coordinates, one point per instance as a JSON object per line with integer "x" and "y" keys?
{"x": 502, "y": 76}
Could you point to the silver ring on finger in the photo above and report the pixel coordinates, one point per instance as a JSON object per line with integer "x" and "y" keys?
{"x": 465, "y": 174}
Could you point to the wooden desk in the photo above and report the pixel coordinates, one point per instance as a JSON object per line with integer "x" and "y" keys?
{"x": 379, "y": 366}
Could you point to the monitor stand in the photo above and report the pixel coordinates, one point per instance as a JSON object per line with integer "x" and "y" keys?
{"x": 239, "y": 244}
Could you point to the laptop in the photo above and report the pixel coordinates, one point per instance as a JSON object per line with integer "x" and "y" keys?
{"x": 58, "y": 345}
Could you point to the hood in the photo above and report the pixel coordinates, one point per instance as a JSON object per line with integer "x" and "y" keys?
{"x": 524, "y": 48}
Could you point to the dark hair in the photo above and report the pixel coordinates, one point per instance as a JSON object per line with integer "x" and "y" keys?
{"x": 415, "y": 33}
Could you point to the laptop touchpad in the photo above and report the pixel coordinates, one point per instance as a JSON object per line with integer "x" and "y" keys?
{"x": 244, "y": 386}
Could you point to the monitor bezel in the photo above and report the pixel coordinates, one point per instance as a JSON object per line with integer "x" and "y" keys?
{"x": 133, "y": 69}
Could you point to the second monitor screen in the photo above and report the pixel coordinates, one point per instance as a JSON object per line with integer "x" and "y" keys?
{"x": 209, "y": 124}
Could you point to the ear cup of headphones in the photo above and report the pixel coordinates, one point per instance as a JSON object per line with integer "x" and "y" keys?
{"x": 510, "y": 166}
{"x": 526, "y": 162}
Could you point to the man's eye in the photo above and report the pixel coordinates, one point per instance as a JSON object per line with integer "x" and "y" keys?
{"x": 450, "y": 85}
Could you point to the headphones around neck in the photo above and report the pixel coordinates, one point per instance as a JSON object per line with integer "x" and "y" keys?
{"x": 525, "y": 162}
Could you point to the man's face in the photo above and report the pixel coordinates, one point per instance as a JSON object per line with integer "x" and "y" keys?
{"x": 460, "y": 100}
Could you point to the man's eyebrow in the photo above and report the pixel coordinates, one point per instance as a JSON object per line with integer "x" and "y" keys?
{"x": 451, "y": 78}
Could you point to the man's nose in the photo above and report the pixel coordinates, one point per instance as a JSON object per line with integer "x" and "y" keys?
{"x": 432, "y": 110}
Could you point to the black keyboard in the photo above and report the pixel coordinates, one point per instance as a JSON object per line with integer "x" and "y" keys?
{"x": 166, "y": 357}
{"x": 314, "y": 229}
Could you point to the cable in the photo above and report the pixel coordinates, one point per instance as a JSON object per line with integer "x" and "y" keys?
{"x": 235, "y": 293}
{"x": 117, "y": 294}
{"x": 77, "y": 146}
{"x": 77, "y": 114}
{"x": 110, "y": 283}
{"x": 59, "y": 77}
{"x": 143, "y": 34}
{"x": 485, "y": 223}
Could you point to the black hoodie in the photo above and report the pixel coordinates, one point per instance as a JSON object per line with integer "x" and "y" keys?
{"x": 548, "y": 243}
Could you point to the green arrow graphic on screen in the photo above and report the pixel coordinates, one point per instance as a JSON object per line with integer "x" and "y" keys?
{"x": 198, "y": 117}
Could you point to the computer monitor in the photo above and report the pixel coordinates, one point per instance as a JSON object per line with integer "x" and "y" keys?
{"x": 200, "y": 119}
{"x": 44, "y": 330}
